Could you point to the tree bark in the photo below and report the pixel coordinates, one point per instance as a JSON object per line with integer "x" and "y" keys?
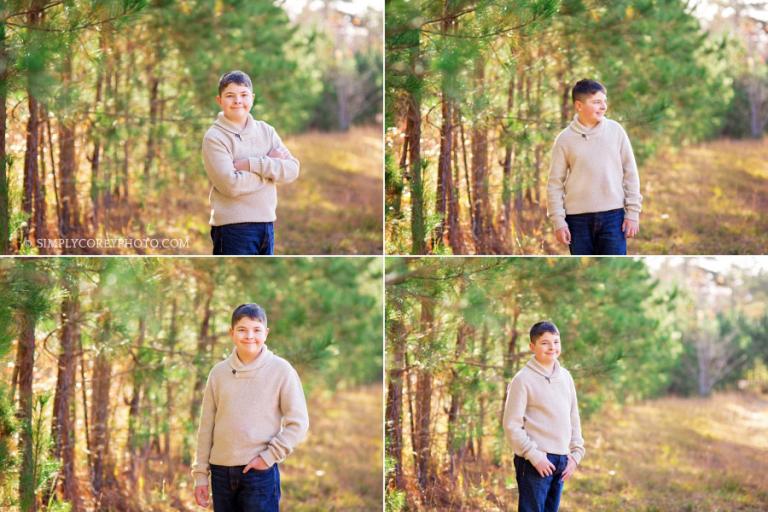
{"x": 69, "y": 219}
{"x": 482, "y": 227}
{"x": 64, "y": 404}
{"x": 101, "y": 384}
{"x": 394, "y": 412}
{"x": 26, "y": 361}
{"x": 423, "y": 413}
{"x": 4, "y": 205}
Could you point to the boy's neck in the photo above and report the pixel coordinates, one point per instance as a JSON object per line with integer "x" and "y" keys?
{"x": 249, "y": 359}
{"x": 547, "y": 366}
{"x": 586, "y": 124}
{"x": 240, "y": 123}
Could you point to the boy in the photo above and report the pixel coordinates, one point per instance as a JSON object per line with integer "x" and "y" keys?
{"x": 541, "y": 421}
{"x": 593, "y": 192}
{"x": 253, "y": 415}
{"x": 245, "y": 160}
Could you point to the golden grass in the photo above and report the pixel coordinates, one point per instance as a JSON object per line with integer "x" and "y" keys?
{"x": 706, "y": 199}
{"x": 339, "y": 466}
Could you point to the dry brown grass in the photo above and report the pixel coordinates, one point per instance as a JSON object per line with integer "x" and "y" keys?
{"x": 706, "y": 199}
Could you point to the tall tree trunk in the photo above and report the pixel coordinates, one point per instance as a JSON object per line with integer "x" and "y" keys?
{"x": 424, "y": 470}
{"x": 95, "y": 134}
{"x": 64, "y": 403}
{"x": 4, "y": 205}
{"x": 454, "y": 449}
{"x": 202, "y": 355}
{"x": 26, "y": 360}
{"x": 506, "y": 183}
{"x": 413, "y": 134}
{"x": 169, "y": 394}
{"x": 134, "y": 419}
{"x": 482, "y": 227}
{"x": 101, "y": 384}
{"x": 394, "y": 412}
{"x": 69, "y": 221}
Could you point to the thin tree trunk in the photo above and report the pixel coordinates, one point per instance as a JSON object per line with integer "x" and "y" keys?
{"x": 394, "y": 412}
{"x": 26, "y": 361}
{"x": 64, "y": 403}
{"x": 101, "y": 384}
{"x": 69, "y": 219}
{"x": 455, "y": 451}
{"x": 482, "y": 229}
{"x": 134, "y": 419}
{"x": 4, "y": 205}
{"x": 423, "y": 411}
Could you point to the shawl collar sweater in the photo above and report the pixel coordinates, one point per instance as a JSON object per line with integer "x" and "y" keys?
{"x": 245, "y": 196}
{"x": 541, "y": 414}
{"x": 248, "y": 410}
{"x": 592, "y": 170}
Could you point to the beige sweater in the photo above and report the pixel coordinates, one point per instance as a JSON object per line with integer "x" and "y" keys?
{"x": 241, "y": 196}
{"x": 541, "y": 414}
{"x": 592, "y": 170}
{"x": 249, "y": 410}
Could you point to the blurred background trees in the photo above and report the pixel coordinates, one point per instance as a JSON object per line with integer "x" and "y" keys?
{"x": 632, "y": 329}
{"x": 104, "y": 363}
{"x": 476, "y": 92}
{"x": 105, "y": 103}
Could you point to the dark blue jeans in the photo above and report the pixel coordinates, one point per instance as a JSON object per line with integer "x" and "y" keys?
{"x": 537, "y": 493}
{"x": 254, "y": 491}
{"x": 246, "y": 238}
{"x": 597, "y": 233}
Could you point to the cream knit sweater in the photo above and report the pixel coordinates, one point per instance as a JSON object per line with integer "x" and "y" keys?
{"x": 242, "y": 196}
{"x": 541, "y": 414}
{"x": 592, "y": 170}
{"x": 249, "y": 410}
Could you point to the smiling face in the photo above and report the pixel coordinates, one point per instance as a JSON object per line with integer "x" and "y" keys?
{"x": 236, "y": 101}
{"x": 546, "y": 348}
{"x": 248, "y": 335}
{"x": 591, "y": 109}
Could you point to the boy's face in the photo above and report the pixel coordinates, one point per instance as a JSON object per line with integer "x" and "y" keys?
{"x": 235, "y": 101}
{"x": 249, "y": 335}
{"x": 592, "y": 110}
{"x": 546, "y": 348}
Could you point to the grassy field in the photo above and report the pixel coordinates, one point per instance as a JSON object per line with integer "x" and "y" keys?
{"x": 706, "y": 199}
{"x": 687, "y": 455}
{"x": 666, "y": 455}
{"x": 339, "y": 466}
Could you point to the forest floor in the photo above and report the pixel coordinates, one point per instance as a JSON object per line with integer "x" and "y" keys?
{"x": 665, "y": 455}
{"x": 335, "y": 207}
{"x": 705, "y": 199}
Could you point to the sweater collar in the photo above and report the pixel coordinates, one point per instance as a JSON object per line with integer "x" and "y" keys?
{"x": 534, "y": 365}
{"x": 231, "y": 127}
{"x": 262, "y": 359}
{"x": 584, "y": 131}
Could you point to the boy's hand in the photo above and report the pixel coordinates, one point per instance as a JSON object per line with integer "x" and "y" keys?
{"x": 563, "y": 235}
{"x": 570, "y": 469}
{"x": 256, "y": 463}
{"x": 278, "y": 153}
{"x": 544, "y": 467}
{"x": 201, "y": 495}
{"x": 630, "y": 228}
{"x": 242, "y": 164}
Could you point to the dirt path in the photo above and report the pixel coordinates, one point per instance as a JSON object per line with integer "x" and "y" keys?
{"x": 706, "y": 199}
{"x": 676, "y": 455}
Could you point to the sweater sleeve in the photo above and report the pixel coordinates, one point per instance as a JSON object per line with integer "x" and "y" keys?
{"x": 558, "y": 173}
{"x": 205, "y": 435}
{"x": 278, "y": 170}
{"x": 576, "y": 445}
{"x": 293, "y": 407}
{"x": 631, "y": 180}
{"x": 514, "y": 423}
{"x": 220, "y": 167}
